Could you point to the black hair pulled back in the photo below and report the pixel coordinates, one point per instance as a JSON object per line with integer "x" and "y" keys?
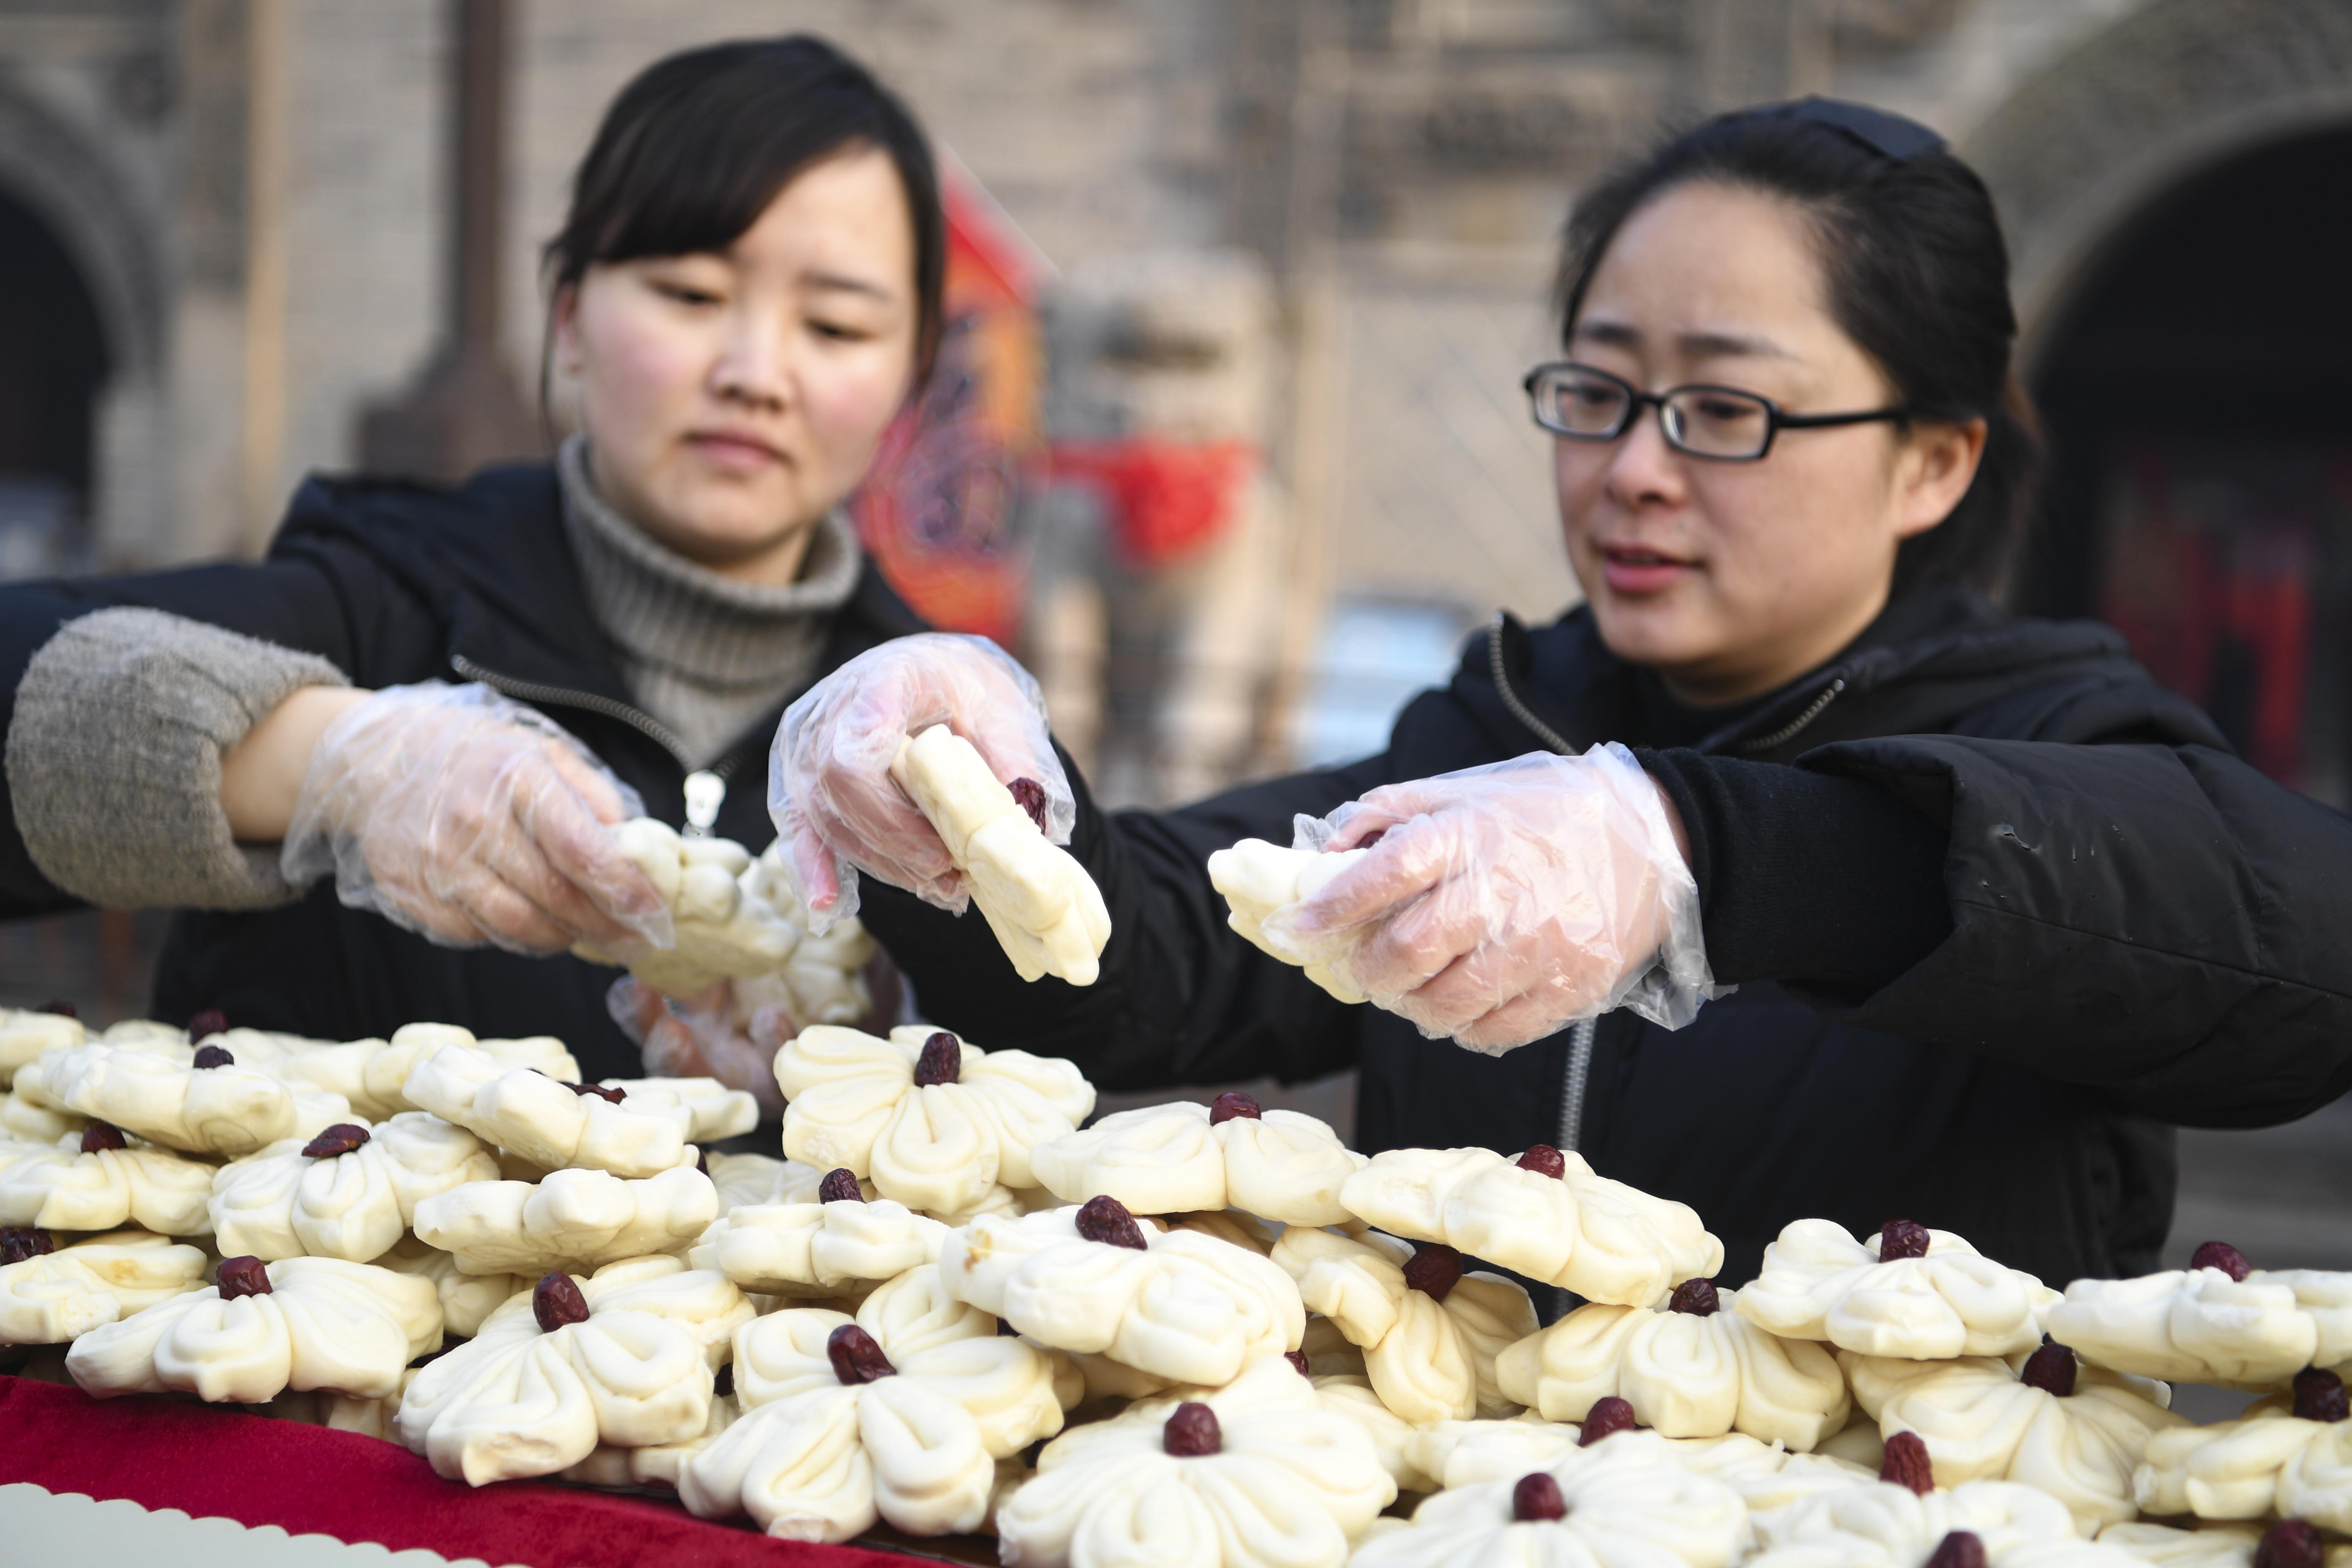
{"x": 1917, "y": 276}
{"x": 700, "y": 142}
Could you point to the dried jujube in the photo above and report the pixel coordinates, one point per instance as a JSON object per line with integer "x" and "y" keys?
{"x": 209, "y": 1057}
{"x": 1105, "y": 1220}
{"x": 1902, "y": 1239}
{"x": 62, "y": 1010}
{"x": 1696, "y": 1297}
{"x": 247, "y": 1276}
{"x": 1298, "y": 1359}
{"x": 1233, "y": 1103}
{"x": 723, "y": 1382}
{"x": 612, "y": 1096}
{"x": 207, "y": 1024}
{"x": 1192, "y": 1432}
{"x": 1030, "y": 796}
{"x": 556, "y": 1301}
{"x": 1433, "y": 1269}
{"x": 839, "y": 1187}
{"x": 2049, "y": 1369}
{"x": 1958, "y": 1548}
{"x": 2221, "y": 1255}
{"x": 341, "y": 1139}
{"x": 1608, "y": 1416}
{"x": 1545, "y": 1161}
{"x": 18, "y": 1242}
{"x": 1907, "y": 1463}
{"x": 2319, "y": 1395}
{"x": 100, "y": 1135}
{"x": 2290, "y": 1543}
{"x": 1536, "y": 1498}
{"x": 857, "y": 1356}
{"x": 941, "y": 1061}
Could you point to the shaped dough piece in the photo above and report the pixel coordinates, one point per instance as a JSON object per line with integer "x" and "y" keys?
{"x": 1046, "y": 912}
{"x": 339, "y": 1413}
{"x": 1602, "y": 1240}
{"x": 550, "y": 1123}
{"x": 2209, "y": 1546}
{"x": 705, "y": 1108}
{"x": 748, "y": 1181}
{"x": 1622, "y": 1511}
{"x": 1688, "y": 1373}
{"x": 2198, "y": 1325}
{"x": 58, "y": 1186}
{"x": 813, "y": 1250}
{"x": 940, "y": 1146}
{"x": 817, "y": 1456}
{"x": 1187, "y": 1307}
{"x": 323, "y": 1323}
{"x": 1820, "y": 1283}
{"x": 573, "y": 1219}
{"x": 2267, "y": 1461}
{"x": 1429, "y": 1356}
{"x": 1169, "y": 1159}
{"x": 286, "y": 1202}
{"x": 656, "y": 1464}
{"x": 466, "y": 1299}
{"x": 52, "y": 1297}
{"x": 1293, "y": 1482}
{"x": 25, "y": 1036}
{"x": 727, "y": 929}
{"x": 228, "y": 1110}
{"x": 24, "y": 1122}
{"x": 1981, "y": 1422}
{"x": 1258, "y": 878}
{"x": 516, "y": 1400}
{"x": 386, "y": 1076}
{"x": 1391, "y": 1435}
{"x": 1882, "y": 1525}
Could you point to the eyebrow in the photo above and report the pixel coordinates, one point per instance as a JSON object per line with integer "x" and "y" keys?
{"x": 1693, "y": 346}
{"x": 843, "y": 282}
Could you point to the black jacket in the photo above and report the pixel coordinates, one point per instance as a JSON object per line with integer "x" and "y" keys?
{"x": 2137, "y": 930}
{"x": 393, "y": 583}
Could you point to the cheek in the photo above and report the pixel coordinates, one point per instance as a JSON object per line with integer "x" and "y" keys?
{"x": 1799, "y": 533}
{"x": 1577, "y": 473}
{"x": 634, "y": 370}
{"x": 851, "y": 403}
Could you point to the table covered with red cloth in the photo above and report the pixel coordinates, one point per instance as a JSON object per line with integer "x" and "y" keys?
{"x": 165, "y": 1452}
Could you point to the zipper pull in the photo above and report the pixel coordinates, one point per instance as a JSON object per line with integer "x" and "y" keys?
{"x": 706, "y": 791}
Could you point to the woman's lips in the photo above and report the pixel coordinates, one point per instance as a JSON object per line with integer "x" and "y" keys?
{"x": 1632, "y": 571}
{"x": 727, "y": 450}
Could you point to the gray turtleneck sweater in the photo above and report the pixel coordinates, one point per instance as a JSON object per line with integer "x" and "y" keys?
{"x": 113, "y": 754}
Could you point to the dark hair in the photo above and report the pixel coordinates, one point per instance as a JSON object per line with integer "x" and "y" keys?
{"x": 699, "y": 144}
{"x": 1917, "y": 276}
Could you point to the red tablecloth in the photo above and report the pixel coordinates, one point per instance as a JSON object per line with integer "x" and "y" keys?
{"x": 166, "y": 1453}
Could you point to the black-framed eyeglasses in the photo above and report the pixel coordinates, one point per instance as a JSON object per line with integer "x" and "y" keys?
{"x": 1721, "y": 423}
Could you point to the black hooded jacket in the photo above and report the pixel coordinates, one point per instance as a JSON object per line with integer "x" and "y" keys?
{"x": 2126, "y": 927}
{"x": 394, "y": 583}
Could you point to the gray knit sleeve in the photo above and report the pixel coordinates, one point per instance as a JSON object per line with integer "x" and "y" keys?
{"x": 114, "y": 758}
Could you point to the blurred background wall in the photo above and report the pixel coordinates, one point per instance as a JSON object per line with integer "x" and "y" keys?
{"x": 1234, "y": 450}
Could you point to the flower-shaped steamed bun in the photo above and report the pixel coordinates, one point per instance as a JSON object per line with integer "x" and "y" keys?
{"x": 626, "y": 1357}
{"x": 705, "y": 1108}
{"x": 1259, "y": 1472}
{"x": 1184, "y": 1156}
{"x": 350, "y": 1193}
{"x": 51, "y": 1294}
{"x": 2289, "y": 1454}
{"x": 1696, "y": 1370}
{"x": 816, "y": 1250}
{"x": 824, "y": 982}
{"x": 1546, "y": 1214}
{"x": 97, "y": 1179}
{"x": 933, "y": 1121}
{"x": 2224, "y": 1545}
{"x": 1884, "y": 1525}
{"x": 2218, "y": 1320}
{"x": 1175, "y": 1304}
{"x": 1351, "y": 1394}
{"x": 726, "y": 927}
{"x": 1611, "y": 1506}
{"x": 1046, "y": 912}
{"x": 751, "y": 1181}
{"x": 386, "y": 1076}
{"x": 23, "y": 1120}
{"x": 466, "y": 1298}
{"x": 25, "y": 1034}
{"x": 553, "y": 1124}
{"x": 2075, "y": 1432}
{"x": 224, "y": 1109}
{"x": 1258, "y": 877}
{"x": 571, "y": 1219}
{"x": 299, "y": 1323}
{"x": 1429, "y": 1331}
{"x": 1911, "y": 1292}
{"x": 901, "y": 1413}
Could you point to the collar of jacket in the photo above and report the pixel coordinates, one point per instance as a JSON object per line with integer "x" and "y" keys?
{"x": 1930, "y": 658}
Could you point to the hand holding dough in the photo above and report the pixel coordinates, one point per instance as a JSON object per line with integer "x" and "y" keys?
{"x": 1045, "y": 910}
{"x": 1258, "y": 878}
{"x": 726, "y": 927}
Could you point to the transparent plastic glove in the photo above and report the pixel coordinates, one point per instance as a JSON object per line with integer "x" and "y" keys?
{"x": 699, "y": 1037}
{"x": 458, "y": 814}
{"x": 1499, "y": 904}
{"x": 829, "y": 787}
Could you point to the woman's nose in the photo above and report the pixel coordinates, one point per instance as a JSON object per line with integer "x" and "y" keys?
{"x": 752, "y": 366}
{"x": 1642, "y": 467}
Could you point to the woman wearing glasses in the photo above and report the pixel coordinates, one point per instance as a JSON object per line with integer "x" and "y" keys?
{"x": 1981, "y": 910}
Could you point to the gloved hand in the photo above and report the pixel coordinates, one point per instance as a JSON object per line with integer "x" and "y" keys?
{"x": 456, "y": 813}
{"x": 836, "y": 807}
{"x": 1498, "y": 904}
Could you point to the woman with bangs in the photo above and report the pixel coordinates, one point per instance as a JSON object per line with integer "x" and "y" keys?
{"x": 375, "y": 768}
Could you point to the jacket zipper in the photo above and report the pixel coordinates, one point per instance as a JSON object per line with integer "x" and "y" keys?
{"x": 706, "y": 788}
{"x": 1571, "y": 1089}
{"x": 1794, "y": 727}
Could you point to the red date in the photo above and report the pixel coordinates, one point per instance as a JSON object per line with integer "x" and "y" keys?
{"x": 839, "y": 1187}
{"x": 1696, "y": 1297}
{"x": 556, "y": 1301}
{"x": 1193, "y": 1432}
{"x": 611, "y": 1096}
{"x": 1536, "y": 1496}
{"x": 2221, "y": 1255}
{"x": 2290, "y": 1543}
{"x": 941, "y": 1061}
{"x": 1907, "y": 1463}
{"x": 18, "y": 1242}
{"x": 857, "y": 1356}
{"x": 1232, "y": 1103}
{"x": 246, "y": 1276}
{"x": 1435, "y": 1270}
{"x": 2319, "y": 1395}
{"x": 1545, "y": 1161}
{"x": 341, "y": 1139}
{"x": 100, "y": 1135}
{"x": 210, "y": 1056}
{"x": 1902, "y": 1239}
{"x": 1297, "y": 1360}
{"x": 1607, "y": 1417}
{"x": 1960, "y": 1549}
{"x": 1105, "y": 1220}
{"x": 1030, "y": 796}
{"x": 2049, "y": 1369}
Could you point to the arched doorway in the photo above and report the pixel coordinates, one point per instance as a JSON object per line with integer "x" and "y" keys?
{"x": 2196, "y": 383}
{"x": 53, "y": 366}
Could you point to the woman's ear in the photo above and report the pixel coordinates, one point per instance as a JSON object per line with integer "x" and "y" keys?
{"x": 1933, "y": 472}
